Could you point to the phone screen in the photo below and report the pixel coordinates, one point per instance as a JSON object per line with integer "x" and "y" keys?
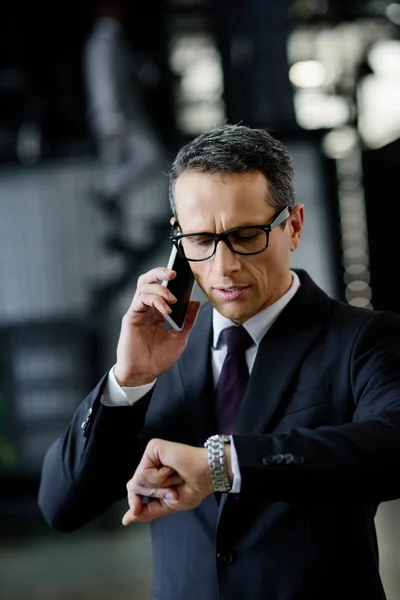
{"x": 181, "y": 287}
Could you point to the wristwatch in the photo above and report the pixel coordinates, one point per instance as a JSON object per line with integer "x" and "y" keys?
{"x": 216, "y": 459}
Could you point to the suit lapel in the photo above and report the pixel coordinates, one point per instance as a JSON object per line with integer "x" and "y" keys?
{"x": 196, "y": 376}
{"x": 280, "y": 354}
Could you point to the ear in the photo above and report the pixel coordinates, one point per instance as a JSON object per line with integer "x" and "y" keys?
{"x": 172, "y": 220}
{"x": 296, "y": 222}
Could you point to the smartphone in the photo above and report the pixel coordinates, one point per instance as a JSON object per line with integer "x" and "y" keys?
{"x": 181, "y": 287}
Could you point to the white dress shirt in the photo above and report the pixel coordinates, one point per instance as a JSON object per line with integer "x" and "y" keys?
{"x": 256, "y": 327}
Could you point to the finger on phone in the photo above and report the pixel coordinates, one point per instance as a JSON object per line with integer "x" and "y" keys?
{"x": 162, "y": 307}
{"x": 151, "y": 301}
{"x": 191, "y": 315}
{"x": 156, "y": 276}
{"x": 158, "y": 290}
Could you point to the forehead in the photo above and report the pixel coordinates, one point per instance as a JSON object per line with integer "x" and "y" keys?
{"x": 204, "y": 199}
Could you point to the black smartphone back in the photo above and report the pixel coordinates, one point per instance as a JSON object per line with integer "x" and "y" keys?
{"x": 181, "y": 287}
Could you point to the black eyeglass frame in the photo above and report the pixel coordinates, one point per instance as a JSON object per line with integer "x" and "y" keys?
{"x": 278, "y": 219}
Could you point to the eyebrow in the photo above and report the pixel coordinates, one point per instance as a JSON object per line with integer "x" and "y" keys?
{"x": 250, "y": 224}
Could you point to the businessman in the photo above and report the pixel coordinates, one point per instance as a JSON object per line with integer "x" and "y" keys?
{"x": 267, "y": 431}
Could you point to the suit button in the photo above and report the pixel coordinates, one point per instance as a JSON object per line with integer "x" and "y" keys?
{"x": 279, "y": 458}
{"x": 298, "y": 460}
{"x": 226, "y": 557}
{"x": 268, "y": 460}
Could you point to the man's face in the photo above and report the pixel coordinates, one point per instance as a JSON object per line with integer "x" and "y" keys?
{"x": 237, "y": 286}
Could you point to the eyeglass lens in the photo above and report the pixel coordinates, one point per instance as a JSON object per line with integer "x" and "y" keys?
{"x": 244, "y": 241}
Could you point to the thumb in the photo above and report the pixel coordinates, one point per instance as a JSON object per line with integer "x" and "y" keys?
{"x": 156, "y": 507}
{"x": 191, "y": 316}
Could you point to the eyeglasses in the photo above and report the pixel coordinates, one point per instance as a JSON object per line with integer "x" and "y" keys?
{"x": 251, "y": 239}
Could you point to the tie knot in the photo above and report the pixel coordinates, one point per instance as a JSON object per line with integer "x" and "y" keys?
{"x": 236, "y": 339}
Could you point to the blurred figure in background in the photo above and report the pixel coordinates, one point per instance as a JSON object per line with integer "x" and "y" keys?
{"x": 126, "y": 143}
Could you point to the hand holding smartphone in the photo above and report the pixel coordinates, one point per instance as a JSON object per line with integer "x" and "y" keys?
{"x": 181, "y": 287}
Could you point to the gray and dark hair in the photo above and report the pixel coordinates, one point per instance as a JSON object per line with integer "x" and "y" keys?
{"x": 236, "y": 149}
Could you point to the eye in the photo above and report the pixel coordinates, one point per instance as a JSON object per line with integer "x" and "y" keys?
{"x": 199, "y": 240}
{"x": 245, "y": 235}
{"x": 242, "y": 235}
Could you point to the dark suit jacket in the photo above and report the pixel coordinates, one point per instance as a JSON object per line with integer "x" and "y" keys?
{"x": 318, "y": 443}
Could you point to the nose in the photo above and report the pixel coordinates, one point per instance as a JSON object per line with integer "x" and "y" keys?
{"x": 225, "y": 261}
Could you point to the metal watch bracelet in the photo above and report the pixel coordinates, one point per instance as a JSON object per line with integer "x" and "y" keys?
{"x": 216, "y": 460}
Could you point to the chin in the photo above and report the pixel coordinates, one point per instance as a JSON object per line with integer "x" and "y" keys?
{"x": 234, "y": 313}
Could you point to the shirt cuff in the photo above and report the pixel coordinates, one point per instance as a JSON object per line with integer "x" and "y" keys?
{"x": 115, "y": 395}
{"x": 237, "y": 479}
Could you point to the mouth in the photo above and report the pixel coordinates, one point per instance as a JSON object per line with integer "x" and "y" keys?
{"x": 230, "y": 293}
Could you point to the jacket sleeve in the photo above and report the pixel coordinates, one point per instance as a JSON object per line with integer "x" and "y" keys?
{"x": 359, "y": 460}
{"x": 86, "y": 470}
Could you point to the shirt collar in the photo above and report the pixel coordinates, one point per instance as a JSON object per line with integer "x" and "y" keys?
{"x": 258, "y": 325}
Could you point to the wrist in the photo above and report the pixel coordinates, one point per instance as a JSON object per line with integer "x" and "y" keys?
{"x": 228, "y": 463}
{"x": 128, "y": 380}
{"x": 207, "y": 471}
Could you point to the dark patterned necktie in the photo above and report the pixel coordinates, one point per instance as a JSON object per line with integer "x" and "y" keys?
{"x": 233, "y": 378}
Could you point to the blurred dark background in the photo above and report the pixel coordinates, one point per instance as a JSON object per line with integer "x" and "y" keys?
{"x": 321, "y": 75}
